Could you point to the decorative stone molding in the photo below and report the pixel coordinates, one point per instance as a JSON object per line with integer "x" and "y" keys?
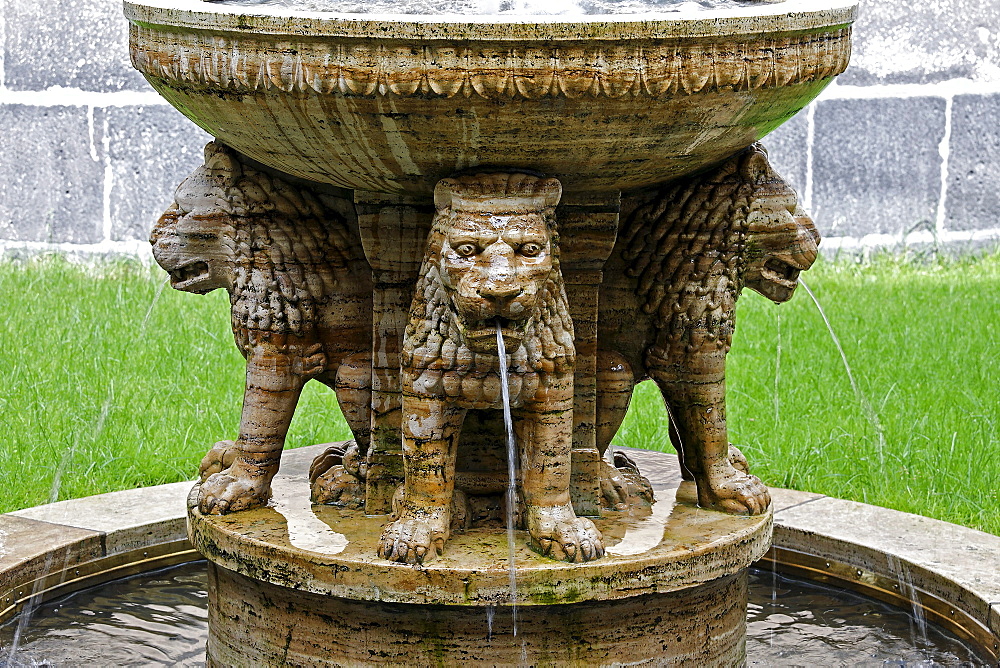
{"x": 491, "y": 70}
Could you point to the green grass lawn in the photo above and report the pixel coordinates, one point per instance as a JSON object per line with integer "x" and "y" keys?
{"x": 110, "y": 380}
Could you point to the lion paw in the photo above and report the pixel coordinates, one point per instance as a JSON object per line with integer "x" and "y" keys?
{"x": 220, "y": 457}
{"x": 558, "y": 533}
{"x": 232, "y": 490}
{"x": 337, "y": 487}
{"x": 414, "y": 541}
{"x": 623, "y": 486}
{"x": 733, "y": 491}
{"x": 326, "y": 460}
{"x": 614, "y": 487}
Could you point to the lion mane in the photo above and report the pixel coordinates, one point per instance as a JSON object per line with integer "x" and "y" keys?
{"x": 434, "y": 351}
{"x": 686, "y": 244}
{"x": 285, "y": 244}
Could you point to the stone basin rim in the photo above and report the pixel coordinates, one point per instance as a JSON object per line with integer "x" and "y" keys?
{"x": 780, "y": 17}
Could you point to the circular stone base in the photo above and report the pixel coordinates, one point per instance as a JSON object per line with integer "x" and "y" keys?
{"x": 253, "y": 623}
{"x": 301, "y": 584}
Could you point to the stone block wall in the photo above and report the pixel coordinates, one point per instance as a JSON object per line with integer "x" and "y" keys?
{"x": 903, "y": 147}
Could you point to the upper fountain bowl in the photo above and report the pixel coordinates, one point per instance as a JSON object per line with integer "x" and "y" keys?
{"x": 393, "y": 103}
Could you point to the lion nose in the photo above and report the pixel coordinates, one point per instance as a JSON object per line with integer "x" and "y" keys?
{"x": 500, "y": 291}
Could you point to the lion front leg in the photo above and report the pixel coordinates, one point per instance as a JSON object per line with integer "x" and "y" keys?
{"x": 695, "y": 394}
{"x": 545, "y": 440}
{"x": 431, "y": 428}
{"x": 274, "y": 382}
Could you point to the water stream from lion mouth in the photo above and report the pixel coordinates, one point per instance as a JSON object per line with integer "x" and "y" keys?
{"x": 866, "y": 407}
{"x": 511, "y": 473}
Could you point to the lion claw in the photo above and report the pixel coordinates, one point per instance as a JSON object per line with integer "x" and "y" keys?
{"x": 558, "y": 533}
{"x": 220, "y": 457}
{"x": 233, "y": 490}
{"x": 734, "y": 492}
{"x": 414, "y": 541}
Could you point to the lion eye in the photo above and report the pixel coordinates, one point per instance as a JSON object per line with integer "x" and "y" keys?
{"x": 531, "y": 249}
{"x": 466, "y": 250}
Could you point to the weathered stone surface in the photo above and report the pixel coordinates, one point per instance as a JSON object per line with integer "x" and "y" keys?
{"x": 30, "y": 550}
{"x": 151, "y": 149}
{"x": 130, "y": 519}
{"x": 922, "y": 42}
{"x": 785, "y": 499}
{"x": 51, "y": 174}
{"x": 877, "y": 165}
{"x": 953, "y": 563}
{"x": 435, "y": 102}
{"x": 70, "y": 43}
{"x": 700, "y": 626}
{"x": 973, "y": 200}
{"x": 329, "y": 550}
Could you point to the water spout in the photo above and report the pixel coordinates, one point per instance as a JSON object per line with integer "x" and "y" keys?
{"x": 511, "y": 473}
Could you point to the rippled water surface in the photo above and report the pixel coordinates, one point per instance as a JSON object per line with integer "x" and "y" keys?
{"x": 160, "y": 619}
{"x": 524, "y": 8}
{"x": 157, "y": 618}
{"x": 792, "y": 622}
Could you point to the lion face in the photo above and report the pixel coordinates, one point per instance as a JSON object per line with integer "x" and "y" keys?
{"x": 188, "y": 241}
{"x": 782, "y": 241}
{"x": 495, "y": 267}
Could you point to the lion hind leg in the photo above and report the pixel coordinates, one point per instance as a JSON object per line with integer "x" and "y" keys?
{"x": 354, "y": 394}
{"x": 337, "y": 476}
{"x": 698, "y": 415}
{"x": 274, "y": 382}
{"x": 615, "y": 382}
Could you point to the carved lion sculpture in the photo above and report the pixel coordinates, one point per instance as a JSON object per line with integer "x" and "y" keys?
{"x": 684, "y": 253}
{"x": 301, "y": 306}
{"x": 492, "y": 260}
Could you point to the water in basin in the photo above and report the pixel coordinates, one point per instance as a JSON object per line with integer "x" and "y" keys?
{"x": 160, "y": 618}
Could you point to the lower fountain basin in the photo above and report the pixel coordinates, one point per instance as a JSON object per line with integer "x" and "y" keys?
{"x": 394, "y": 103}
{"x": 161, "y": 618}
{"x": 944, "y": 572}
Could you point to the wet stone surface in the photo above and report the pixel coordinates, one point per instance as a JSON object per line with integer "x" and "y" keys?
{"x": 329, "y": 550}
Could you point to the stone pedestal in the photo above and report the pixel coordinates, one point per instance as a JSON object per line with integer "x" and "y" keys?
{"x": 296, "y": 584}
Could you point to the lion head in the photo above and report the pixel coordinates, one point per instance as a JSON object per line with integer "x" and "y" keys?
{"x": 693, "y": 244}
{"x": 193, "y": 239}
{"x": 497, "y": 252}
{"x": 492, "y": 261}
{"x": 275, "y": 246}
{"x": 781, "y": 238}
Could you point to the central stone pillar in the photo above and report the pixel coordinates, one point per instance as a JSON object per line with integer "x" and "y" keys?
{"x": 392, "y": 229}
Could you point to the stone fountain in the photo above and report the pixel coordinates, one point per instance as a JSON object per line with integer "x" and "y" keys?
{"x": 394, "y": 201}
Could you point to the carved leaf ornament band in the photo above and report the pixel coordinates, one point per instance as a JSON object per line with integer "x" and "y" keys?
{"x": 356, "y": 68}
